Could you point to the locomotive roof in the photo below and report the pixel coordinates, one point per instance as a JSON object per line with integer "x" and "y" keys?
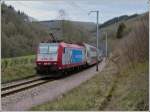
{"x": 70, "y": 45}
{"x": 48, "y": 43}
{"x": 64, "y": 44}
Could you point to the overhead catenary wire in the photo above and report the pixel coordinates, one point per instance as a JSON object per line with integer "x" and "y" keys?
{"x": 84, "y": 11}
{"x": 72, "y": 3}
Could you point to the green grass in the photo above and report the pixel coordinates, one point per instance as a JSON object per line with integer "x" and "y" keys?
{"x": 17, "y": 73}
{"x": 106, "y": 91}
{"x": 17, "y": 68}
{"x": 9, "y": 62}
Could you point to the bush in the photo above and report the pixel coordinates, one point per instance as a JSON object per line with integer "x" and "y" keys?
{"x": 11, "y": 62}
{"x": 120, "y": 30}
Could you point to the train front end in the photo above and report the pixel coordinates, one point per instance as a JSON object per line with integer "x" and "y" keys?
{"x": 47, "y": 57}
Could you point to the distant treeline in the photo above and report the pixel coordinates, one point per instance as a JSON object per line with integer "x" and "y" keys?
{"x": 118, "y": 19}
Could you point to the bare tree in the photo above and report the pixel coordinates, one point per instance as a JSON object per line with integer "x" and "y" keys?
{"x": 134, "y": 47}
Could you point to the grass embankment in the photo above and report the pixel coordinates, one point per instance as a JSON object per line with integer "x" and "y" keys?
{"x": 130, "y": 90}
{"x": 106, "y": 91}
{"x": 17, "y": 68}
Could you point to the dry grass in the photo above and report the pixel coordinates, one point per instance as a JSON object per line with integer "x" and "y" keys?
{"x": 133, "y": 48}
{"x": 131, "y": 90}
{"x": 106, "y": 91}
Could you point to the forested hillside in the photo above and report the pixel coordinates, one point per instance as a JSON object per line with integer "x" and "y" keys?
{"x": 19, "y": 35}
{"x": 70, "y": 31}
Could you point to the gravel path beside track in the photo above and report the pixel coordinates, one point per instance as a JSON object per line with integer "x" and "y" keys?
{"x": 26, "y": 99}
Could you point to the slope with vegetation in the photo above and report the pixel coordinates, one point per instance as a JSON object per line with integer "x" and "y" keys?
{"x": 123, "y": 84}
{"x": 19, "y": 36}
{"x": 106, "y": 91}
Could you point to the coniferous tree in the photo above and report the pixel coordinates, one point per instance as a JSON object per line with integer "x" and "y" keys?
{"x": 120, "y": 30}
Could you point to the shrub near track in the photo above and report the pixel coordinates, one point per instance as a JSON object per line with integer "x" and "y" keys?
{"x": 17, "y": 68}
{"x": 9, "y": 62}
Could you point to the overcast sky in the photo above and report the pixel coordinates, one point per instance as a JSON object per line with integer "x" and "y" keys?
{"x": 77, "y": 10}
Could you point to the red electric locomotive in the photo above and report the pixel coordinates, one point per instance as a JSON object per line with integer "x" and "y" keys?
{"x": 59, "y": 56}
{"x": 63, "y": 56}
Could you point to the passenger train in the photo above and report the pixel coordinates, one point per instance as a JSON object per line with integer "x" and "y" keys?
{"x": 64, "y": 56}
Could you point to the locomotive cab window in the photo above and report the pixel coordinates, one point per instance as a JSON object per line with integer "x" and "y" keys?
{"x": 48, "y": 49}
{"x": 43, "y": 49}
{"x": 53, "y": 49}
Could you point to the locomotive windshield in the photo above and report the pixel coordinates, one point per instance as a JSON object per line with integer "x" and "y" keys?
{"x": 47, "y": 52}
{"x": 53, "y": 49}
{"x": 48, "y": 48}
{"x": 43, "y": 49}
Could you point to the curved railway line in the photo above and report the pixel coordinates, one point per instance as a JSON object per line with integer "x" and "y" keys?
{"x": 23, "y": 85}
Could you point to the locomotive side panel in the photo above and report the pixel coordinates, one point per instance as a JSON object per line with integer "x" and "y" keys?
{"x": 72, "y": 57}
{"x": 77, "y": 56}
{"x": 66, "y": 56}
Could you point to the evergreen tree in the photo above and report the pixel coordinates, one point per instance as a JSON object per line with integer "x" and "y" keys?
{"x": 120, "y": 30}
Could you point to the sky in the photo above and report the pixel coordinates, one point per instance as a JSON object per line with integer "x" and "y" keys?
{"x": 77, "y": 10}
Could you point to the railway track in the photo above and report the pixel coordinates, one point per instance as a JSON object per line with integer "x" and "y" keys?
{"x": 23, "y": 85}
